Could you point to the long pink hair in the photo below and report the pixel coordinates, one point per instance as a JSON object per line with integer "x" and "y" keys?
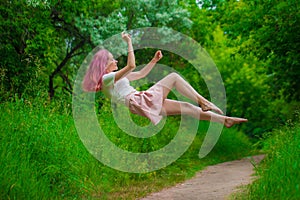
{"x": 92, "y": 81}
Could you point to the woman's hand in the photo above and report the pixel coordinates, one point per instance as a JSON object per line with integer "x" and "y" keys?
{"x": 158, "y": 55}
{"x": 126, "y": 37}
{"x": 145, "y": 70}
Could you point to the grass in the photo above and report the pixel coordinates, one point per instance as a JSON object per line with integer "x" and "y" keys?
{"x": 278, "y": 175}
{"x": 42, "y": 156}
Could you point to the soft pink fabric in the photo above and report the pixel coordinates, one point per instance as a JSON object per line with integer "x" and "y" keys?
{"x": 147, "y": 103}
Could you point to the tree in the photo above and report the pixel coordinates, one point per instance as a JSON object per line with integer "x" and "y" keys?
{"x": 43, "y": 41}
{"x": 271, "y": 31}
{"x": 35, "y": 38}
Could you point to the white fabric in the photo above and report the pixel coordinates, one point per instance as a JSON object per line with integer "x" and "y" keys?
{"x": 117, "y": 91}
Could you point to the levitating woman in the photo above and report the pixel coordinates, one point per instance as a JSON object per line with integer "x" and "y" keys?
{"x": 103, "y": 75}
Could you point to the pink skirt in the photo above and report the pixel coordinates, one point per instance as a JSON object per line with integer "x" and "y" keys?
{"x": 147, "y": 103}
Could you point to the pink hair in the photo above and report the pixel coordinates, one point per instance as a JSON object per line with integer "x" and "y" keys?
{"x": 92, "y": 81}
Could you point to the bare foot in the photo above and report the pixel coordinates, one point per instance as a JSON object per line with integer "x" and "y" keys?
{"x": 230, "y": 121}
{"x": 208, "y": 106}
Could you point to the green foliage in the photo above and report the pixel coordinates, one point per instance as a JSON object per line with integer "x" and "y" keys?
{"x": 278, "y": 175}
{"x": 232, "y": 144}
{"x": 246, "y": 84}
{"x": 40, "y": 156}
{"x": 255, "y": 45}
{"x": 32, "y": 47}
{"x": 19, "y": 67}
{"x": 270, "y": 30}
{"x": 43, "y": 157}
{"x": 52, "y": 36}
{"x": 45, "y": 57}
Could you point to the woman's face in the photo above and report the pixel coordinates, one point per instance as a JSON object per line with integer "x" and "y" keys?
{"x": 111, "y": 64}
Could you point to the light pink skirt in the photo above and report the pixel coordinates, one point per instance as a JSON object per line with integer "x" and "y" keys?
{"x": 147, "y": 103}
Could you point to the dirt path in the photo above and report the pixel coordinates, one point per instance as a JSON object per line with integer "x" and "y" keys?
{"x": 213, "y": 183}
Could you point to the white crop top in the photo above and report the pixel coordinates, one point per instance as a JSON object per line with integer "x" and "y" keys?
{"x": 116, "y": 91}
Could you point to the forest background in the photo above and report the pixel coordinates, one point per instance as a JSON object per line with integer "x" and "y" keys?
{"x": 255, "y": 45}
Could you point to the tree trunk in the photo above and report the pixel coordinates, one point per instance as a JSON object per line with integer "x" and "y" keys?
{"x": 61, "y": 65}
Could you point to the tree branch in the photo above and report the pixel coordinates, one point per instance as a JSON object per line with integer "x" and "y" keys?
{"x": 61, "y": 65}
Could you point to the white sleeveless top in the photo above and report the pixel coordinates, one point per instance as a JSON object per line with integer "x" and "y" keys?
{"x": 116, "y": 91}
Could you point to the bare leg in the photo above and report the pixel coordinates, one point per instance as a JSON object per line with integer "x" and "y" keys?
{"x": 172, "y": 107}
{"x": 175, "y": 80}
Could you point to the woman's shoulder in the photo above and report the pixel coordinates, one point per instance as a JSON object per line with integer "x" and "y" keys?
{"x": 109, "y": 78}
{"x": 110, "y": 74}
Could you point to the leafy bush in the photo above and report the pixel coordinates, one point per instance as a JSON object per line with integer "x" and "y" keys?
{"x": 278, "y": 175}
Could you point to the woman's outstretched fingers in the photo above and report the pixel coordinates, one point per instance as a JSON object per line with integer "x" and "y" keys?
{"x": 230, "y": 121}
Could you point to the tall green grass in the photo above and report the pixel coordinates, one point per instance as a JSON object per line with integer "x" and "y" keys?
{"x": 42, "y": 156}
{"x": 279, "y": 173}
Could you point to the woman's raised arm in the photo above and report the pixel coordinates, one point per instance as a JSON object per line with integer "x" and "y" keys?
{"x": 145, "y": 70}
{"x": 130, "y": 60}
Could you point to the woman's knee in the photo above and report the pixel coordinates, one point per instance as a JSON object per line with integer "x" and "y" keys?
{"x": 174, "y": 75}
